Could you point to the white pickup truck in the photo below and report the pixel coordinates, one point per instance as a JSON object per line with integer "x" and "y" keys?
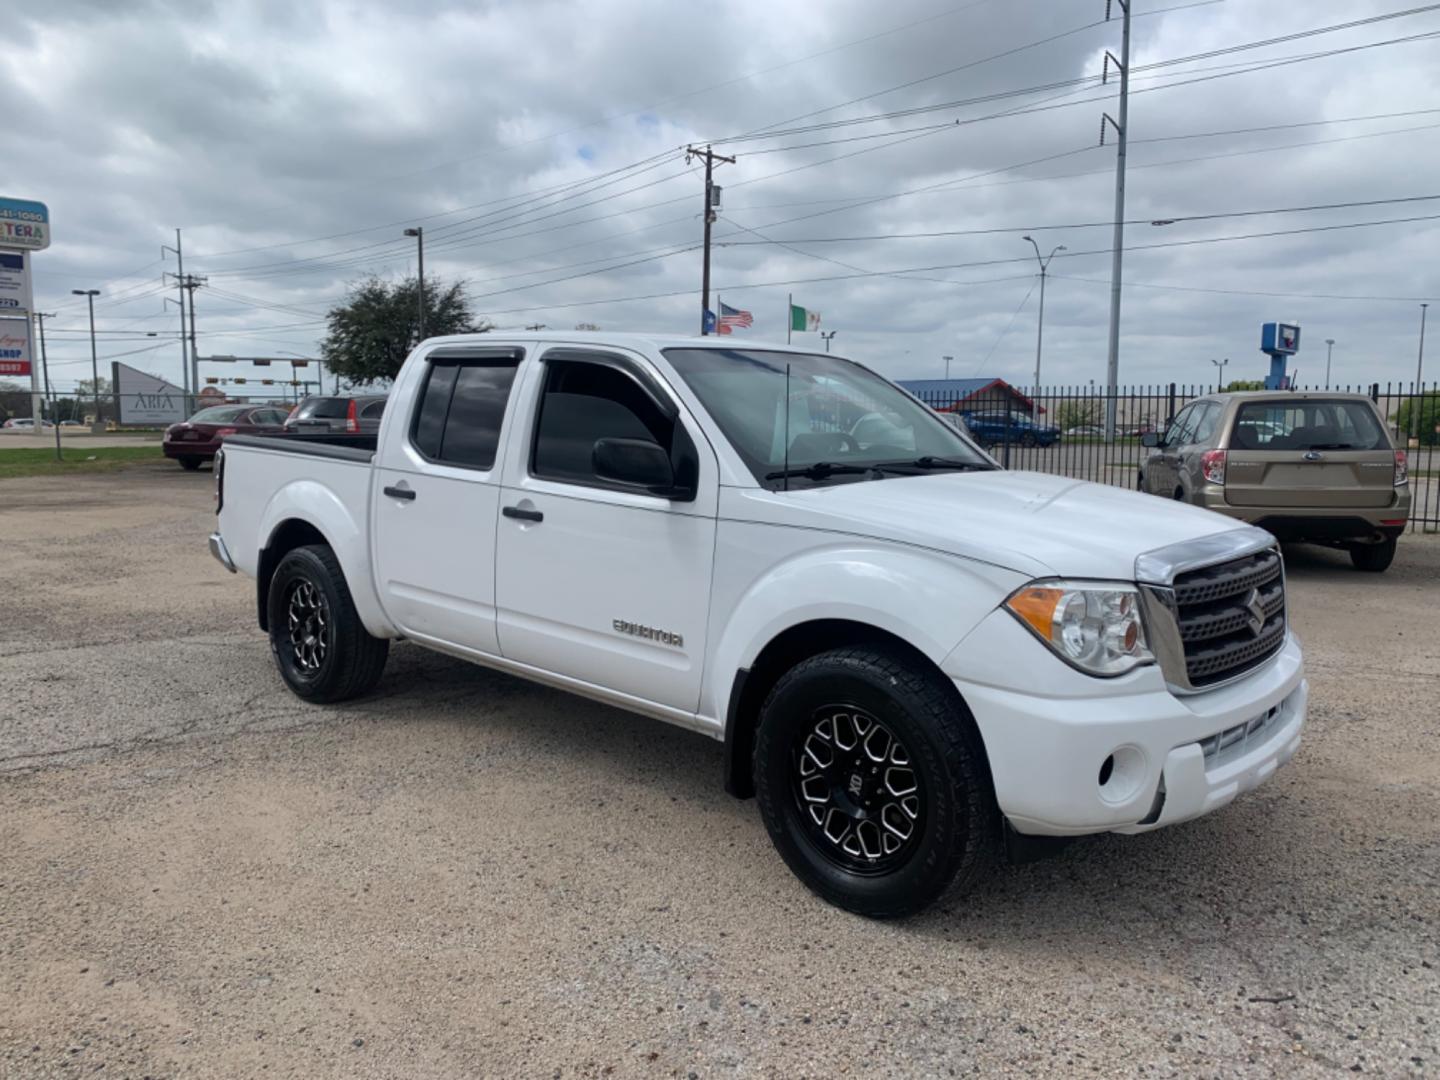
{"x": 912, "y": 656}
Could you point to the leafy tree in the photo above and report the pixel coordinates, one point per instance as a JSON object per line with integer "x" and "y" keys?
{"x": 372, "y": 332}
{"x": 1073, "y": 414}
{"x": 1244, "y": 384}
{"x": 85, "y": 389}
{"x": 1428, "y": 415}
{"x": 586, "y": 326}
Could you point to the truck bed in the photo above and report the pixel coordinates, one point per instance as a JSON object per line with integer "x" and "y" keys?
{"x": 327, "y": 444}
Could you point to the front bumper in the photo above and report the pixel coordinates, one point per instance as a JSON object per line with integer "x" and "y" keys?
{"x": 1072, "y": 754}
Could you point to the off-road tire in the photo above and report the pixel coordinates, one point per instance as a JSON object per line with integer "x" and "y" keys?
{"x": 353, "y": 661}
{"x": 1373, "y": 558}
{"x": 958, "y": 826}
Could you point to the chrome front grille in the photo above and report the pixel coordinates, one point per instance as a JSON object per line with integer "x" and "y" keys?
{"x": 1231, "y": 616}
{"x": 1214, "y": 614}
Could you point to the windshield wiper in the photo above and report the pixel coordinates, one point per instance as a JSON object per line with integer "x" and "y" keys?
{"x": 929, "y": 462}
{"x": 819, "y": 471}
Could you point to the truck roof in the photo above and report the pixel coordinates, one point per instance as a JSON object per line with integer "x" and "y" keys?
{"x": 630, "y": 340}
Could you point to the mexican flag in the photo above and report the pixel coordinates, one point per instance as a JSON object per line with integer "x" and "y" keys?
{"x": 803, "y": 319}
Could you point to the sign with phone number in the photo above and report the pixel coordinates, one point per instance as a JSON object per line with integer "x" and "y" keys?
{"x": 24, "y": 224}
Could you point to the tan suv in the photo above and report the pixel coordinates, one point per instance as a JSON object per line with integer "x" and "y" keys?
{"x": 1318, "y": 468}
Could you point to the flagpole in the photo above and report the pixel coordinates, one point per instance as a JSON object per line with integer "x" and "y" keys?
{"x": 789, "y": 315}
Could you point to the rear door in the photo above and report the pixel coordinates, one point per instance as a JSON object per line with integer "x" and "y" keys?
{"x": 437, "y": 496}
{"x": 1162, "y": 470}
{"x": 1315, "y": 453}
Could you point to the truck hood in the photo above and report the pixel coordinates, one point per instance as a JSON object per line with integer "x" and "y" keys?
{"x": 1036, "y": 524}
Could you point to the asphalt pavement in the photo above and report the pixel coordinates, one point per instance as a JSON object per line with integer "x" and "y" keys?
{"x": 467, "y": 875}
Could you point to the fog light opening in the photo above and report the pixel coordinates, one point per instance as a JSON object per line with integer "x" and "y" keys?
{"x": 1122, "y": 775}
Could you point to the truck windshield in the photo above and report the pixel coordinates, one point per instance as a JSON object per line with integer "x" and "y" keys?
{"x": 839, "y": 420}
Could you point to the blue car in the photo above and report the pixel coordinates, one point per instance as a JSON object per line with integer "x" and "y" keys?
{"x": 998, "y": 427}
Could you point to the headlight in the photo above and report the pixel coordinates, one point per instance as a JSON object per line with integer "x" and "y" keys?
{"x": 1094, "y": 626}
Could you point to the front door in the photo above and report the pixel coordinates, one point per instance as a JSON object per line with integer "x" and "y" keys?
{"x": 600, "y": 581}
{"x": 437, "y": 497}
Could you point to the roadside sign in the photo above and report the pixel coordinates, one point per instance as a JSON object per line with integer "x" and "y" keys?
{"x": 15, "y": 346}
{"x": 14, "y": 281}
{"x": 24, "y": 224}
{"x": 144, "y": 398}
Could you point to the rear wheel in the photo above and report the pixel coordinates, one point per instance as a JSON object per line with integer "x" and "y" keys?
{"x": 323, "y": 651}
{"x": 189, "y": 464}
{"x": 1028, "y": 439}
{"x": 872, "y": 782}
{"x": 1373, "y": 558}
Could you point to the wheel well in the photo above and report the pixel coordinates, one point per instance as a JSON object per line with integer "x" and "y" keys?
{"x": 287, "y": 536}
{"x": 753, "y": 685}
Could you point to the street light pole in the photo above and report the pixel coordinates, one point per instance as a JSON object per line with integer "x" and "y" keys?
{"x": 90, "y": 295}
{"x": 827, "y": 335}
{"x": 947, "y": 360}
{"x": 419, "y": 233}
{"x": 1220, "y": 375}
{"x": 1040, "y": 325}
{"x": 1329, "y": 352}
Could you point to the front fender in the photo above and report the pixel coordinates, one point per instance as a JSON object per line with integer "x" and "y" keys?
{"x": 317, "y": 505}
{"x": 928, "y": 599}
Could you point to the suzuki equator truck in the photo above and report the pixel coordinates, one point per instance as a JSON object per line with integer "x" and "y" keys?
{"x": 911, "y": 656}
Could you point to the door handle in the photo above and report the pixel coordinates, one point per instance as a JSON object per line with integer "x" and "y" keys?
{"x": 523, "y": 515}
{"x": 400, "y": 493}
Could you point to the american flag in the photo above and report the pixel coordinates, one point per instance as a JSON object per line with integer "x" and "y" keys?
{"x": 731, "y": 317}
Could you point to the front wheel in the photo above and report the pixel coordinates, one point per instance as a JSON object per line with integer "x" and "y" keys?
{"x": 872, "y": 782}
{"x": 1374, "y": 558}
{"x": 323, "y": 651}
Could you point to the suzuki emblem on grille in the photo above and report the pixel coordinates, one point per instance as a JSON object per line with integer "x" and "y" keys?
{"x": 1257, "y": 612}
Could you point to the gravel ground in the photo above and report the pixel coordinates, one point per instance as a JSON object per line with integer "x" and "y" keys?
{"x": 469, "y": 875}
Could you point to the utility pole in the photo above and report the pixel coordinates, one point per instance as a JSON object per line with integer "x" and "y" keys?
{"x": 712, "y": 203}
{"x": 827, "y": 335}
{"x": 1419, "y": 371}
{"x": 419, "y": 233}
{"x": 179, "y": 251}
{"x": 1329, "y": 352}
{"x": 190, "y": 283}
{"x": 537, "y": 326}
{"x": 1040, "y": 326}
{"x": 1122, "y": 131}
{"x": 90, "y": 294}
{"x": 40, "y": 317}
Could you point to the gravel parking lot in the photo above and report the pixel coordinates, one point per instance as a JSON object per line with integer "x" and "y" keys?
{"x": 469, "y": 875}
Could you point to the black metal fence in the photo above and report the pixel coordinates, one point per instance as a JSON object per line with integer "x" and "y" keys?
{"x": 1061, "y": 430}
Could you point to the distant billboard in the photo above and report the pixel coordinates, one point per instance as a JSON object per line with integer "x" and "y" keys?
{"x": 14, "y": 347}
{"x": 146, "y": 399}
{"x": 24, "y": 225}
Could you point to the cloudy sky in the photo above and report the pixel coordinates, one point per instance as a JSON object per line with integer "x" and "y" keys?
{"x": 538, "y": 143}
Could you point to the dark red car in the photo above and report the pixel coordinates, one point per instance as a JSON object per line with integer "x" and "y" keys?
{"x": 196, "y": 440}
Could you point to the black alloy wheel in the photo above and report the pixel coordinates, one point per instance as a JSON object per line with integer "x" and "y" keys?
{"x": 307, "y": 622}
{"x": 857, "y": 790}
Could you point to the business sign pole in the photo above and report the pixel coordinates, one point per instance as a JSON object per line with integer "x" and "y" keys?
{"x": 24, "y": 227}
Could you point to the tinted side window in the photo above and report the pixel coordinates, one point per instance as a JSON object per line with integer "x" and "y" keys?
{"x": 1205, "y": 426}
{"x": 434, "y": 405}
{"x": 461, "y": 408}
{"x": 373, "y": 411}
{"x": 472, "y": 430}
{"x": 584, "y": 402}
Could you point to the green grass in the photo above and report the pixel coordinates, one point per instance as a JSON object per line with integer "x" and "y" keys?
{"x": 77, "y": 459}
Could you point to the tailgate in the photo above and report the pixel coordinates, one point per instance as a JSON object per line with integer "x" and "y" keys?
{"x": 1314, "y": 453}
{"x": 1342, "y": 479}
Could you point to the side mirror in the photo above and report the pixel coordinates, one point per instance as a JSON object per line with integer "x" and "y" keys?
{"x": 1150, "y": 439}
{"x": 639, "y": 462}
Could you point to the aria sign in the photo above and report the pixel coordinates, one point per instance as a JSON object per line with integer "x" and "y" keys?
{"x": 24, "y": 225}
